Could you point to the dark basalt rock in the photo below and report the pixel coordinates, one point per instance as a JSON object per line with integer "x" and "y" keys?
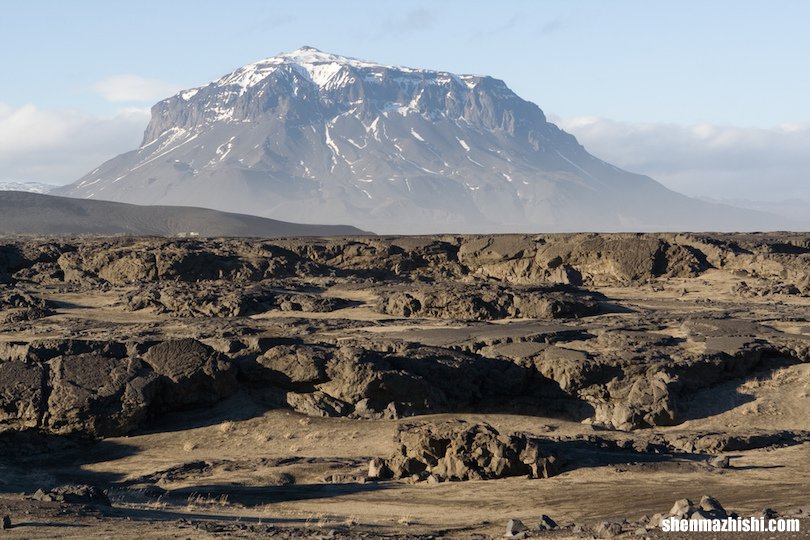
{"x": 99, "y": 396}
{"x": 193, "y": 374}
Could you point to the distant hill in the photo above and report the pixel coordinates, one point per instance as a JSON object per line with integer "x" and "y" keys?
{"x": 33, "y": 213}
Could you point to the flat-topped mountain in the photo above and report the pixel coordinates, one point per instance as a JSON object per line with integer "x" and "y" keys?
{"x": 309, "y": 136}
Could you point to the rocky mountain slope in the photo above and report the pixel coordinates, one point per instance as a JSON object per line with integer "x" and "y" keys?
{"x": 33, "y": 213}
{"x": 311, "y": 136}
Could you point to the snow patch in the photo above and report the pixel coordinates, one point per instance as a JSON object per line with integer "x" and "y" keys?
{"x": 575, "y": 165}
{"x": 228, "y": 146}
{"x": 332, "y": 146}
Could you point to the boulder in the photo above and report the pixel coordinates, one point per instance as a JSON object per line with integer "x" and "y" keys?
{"x": 99, "y": 396}
{"x": 22, "y": 394}
{"x": 713, "y": 507}
{"x": 682, "y": 509}
{"x": 17, "y": 306}
{"x": 290, "y": 365}
{"x": 547, "y": 524}
{"x": 193, "y": 374}
{"x": 317, "y": 404}
{"x": 371, "y": 382}
{"x": 514, "y": 527}
{"x": 378, "y": 469}
{"x": 458, "y": 450}
{"x": 608, "y": 529}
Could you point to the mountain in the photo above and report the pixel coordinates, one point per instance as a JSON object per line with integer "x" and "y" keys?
{"x": 32, "y": 213}
{"x": 30, "y": 187}
{"x": 312, "y": 136}
{"x": 796, "y": 210}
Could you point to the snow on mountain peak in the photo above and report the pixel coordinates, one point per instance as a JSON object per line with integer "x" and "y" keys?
{"x": 319, "y": 67}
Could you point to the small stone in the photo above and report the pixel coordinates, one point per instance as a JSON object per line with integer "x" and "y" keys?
{"x": 515, "y": 527}
{"x": 378, "y": 469}
{"x": 719, "y": 462}
{"x": 768, "y": 513}
{"x": 547, "y": 524}
{"x": 41, "y": 495}
{"x": 682, "y": 508}
{"x": 608, "y": 529}
{"x": 432, "y": 479}
{"x": 711, "y": 505}
{"x": 6, "y": 524}
{"x": 700, "y": 514}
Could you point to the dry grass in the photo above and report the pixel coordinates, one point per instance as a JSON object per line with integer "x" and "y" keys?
{"x": 194, "y": 500}
{"x": 262, "y": 437}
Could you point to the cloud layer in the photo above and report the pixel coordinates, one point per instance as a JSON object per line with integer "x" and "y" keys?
{"x": 124, "y": 88}
{"x": 722, "y": 162}
{"x": 61, "y": 146}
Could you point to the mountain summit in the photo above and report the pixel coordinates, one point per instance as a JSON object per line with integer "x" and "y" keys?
{"x": 309, "y": 136}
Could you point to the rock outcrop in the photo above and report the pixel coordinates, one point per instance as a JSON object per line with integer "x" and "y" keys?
{"x": 101, "y": 393}
{"x": 479, "y": 303}
{"x": 458, "y": 450}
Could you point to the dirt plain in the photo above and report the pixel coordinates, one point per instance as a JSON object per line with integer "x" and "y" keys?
{"x": 401, "y": 386}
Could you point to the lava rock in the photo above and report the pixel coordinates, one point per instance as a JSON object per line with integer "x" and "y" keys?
{"x": 193, "y": 374}
{"x": 458, "y": 450}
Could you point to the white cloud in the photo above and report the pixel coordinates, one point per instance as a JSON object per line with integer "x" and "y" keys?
{"x": 122, "y": 88}
{"x": 61, "y": 146}
{"x": 722, "y": 162}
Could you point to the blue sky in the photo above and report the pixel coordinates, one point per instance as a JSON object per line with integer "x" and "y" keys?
{"x": 729, "y": 74}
